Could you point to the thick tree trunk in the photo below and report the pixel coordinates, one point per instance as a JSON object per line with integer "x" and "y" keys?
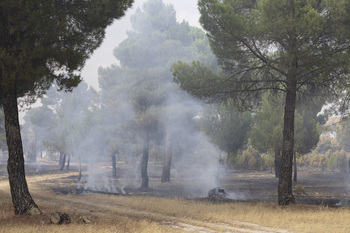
{"x": 295, "y": 169}
{"x": 22, "y": 200}
{"x": 277, "y": 162}
{"x": 144, "y": 162}
{"x": 285, "y": 194}
{"x": 114, "y": 165}
{"x": 167, "y": 160}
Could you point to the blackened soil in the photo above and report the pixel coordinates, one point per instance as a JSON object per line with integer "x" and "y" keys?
{"x": 325, "y": 188}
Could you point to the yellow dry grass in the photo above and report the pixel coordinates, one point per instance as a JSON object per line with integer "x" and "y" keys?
{"x": 111, "y": 213}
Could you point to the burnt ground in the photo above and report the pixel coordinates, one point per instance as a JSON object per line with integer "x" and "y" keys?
{"x": 329, "y": 188}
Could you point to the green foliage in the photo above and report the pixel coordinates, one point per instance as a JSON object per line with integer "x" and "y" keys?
{"x": 332, "y": 162}
{"x": 42, "y": 41}
{"x": 343, "y": 134}
{"x": 269, "y": 159}
{"x": 267, "y": 131}
{"x": 327, "y": 143}
{"x": 239, "y": 33}
{"x": 227, "y": 127}
{"x": 301, "y": 159}
{"x": 248, "y": 159}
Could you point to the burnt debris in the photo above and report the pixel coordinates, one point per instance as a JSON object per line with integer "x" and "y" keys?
{"x": 217, "y": 193}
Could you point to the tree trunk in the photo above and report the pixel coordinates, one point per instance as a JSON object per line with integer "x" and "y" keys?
{"x": 285, "y": 194}
{"x": 79, "y": 178}
{"x": 295, "y": 168}
{"x": 144, "y": 162}
{"x": 63, "y": 160}
{"x": 114, "y": 165}
{"x": 277, "y": 162}
{"x": 35, "y": 147}
{"x": 22, "y": 200}
{"x": 227, "y": 158}
{"x": 167, "y": 160}
{"x": 68, "y": 162}
{"x": 60, "y": 160}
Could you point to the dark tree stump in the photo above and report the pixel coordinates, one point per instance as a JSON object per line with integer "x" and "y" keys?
{"x": 60, "y": 218}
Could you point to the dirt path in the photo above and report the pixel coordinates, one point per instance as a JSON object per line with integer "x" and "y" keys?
{"x": 122, "y": 211}
{"x": 117, "y": 210}
{"x": 180, "y": 223}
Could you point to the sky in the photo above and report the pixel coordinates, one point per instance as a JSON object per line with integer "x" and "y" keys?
{"x": 103, "y": 56}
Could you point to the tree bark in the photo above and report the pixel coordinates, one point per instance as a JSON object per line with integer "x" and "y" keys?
{"x": 63, "y": 160}
{"x": 22, "y": 200}
{"x": 68, "y": 162}
{"x": 167, "y": 160}
{"x": 144, "y": 162}
{"x": 277, "y": 162}
{"x": 35, "y": 147}
{"x": 285, "y": 194}
{"x": 114, "y": 165}
{"x": 60, "y": 160}
{"x": 295, "y": 169}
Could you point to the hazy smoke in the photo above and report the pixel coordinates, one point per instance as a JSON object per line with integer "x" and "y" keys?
{"x": 137, "y": 97}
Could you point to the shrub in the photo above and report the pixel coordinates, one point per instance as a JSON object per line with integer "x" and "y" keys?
{"x": 299, "y": 189}
{"x": 332, "y": 162}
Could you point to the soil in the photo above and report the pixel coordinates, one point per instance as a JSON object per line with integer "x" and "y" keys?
{"x": 331, "y": 188}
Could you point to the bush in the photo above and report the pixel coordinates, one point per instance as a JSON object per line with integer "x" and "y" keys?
{"x": 302, "y": 160}
{"x": 332, "y": 162}
{"x": 248, "y": 159}
{"x": 269, "y": 160}
{"x": 299, "y": 189}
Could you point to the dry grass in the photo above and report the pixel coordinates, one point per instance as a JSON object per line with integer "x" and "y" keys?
{"x": 111, "y": 213}
{"x": 299, "y": 218}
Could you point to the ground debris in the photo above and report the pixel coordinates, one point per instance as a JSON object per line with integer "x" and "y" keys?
{"x": 60, "y": 218}
{"x": 83, "y": 220}
{"x": 217, "y": 193}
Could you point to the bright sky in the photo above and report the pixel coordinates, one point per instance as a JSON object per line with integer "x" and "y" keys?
{"x": 102, "y": 57}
